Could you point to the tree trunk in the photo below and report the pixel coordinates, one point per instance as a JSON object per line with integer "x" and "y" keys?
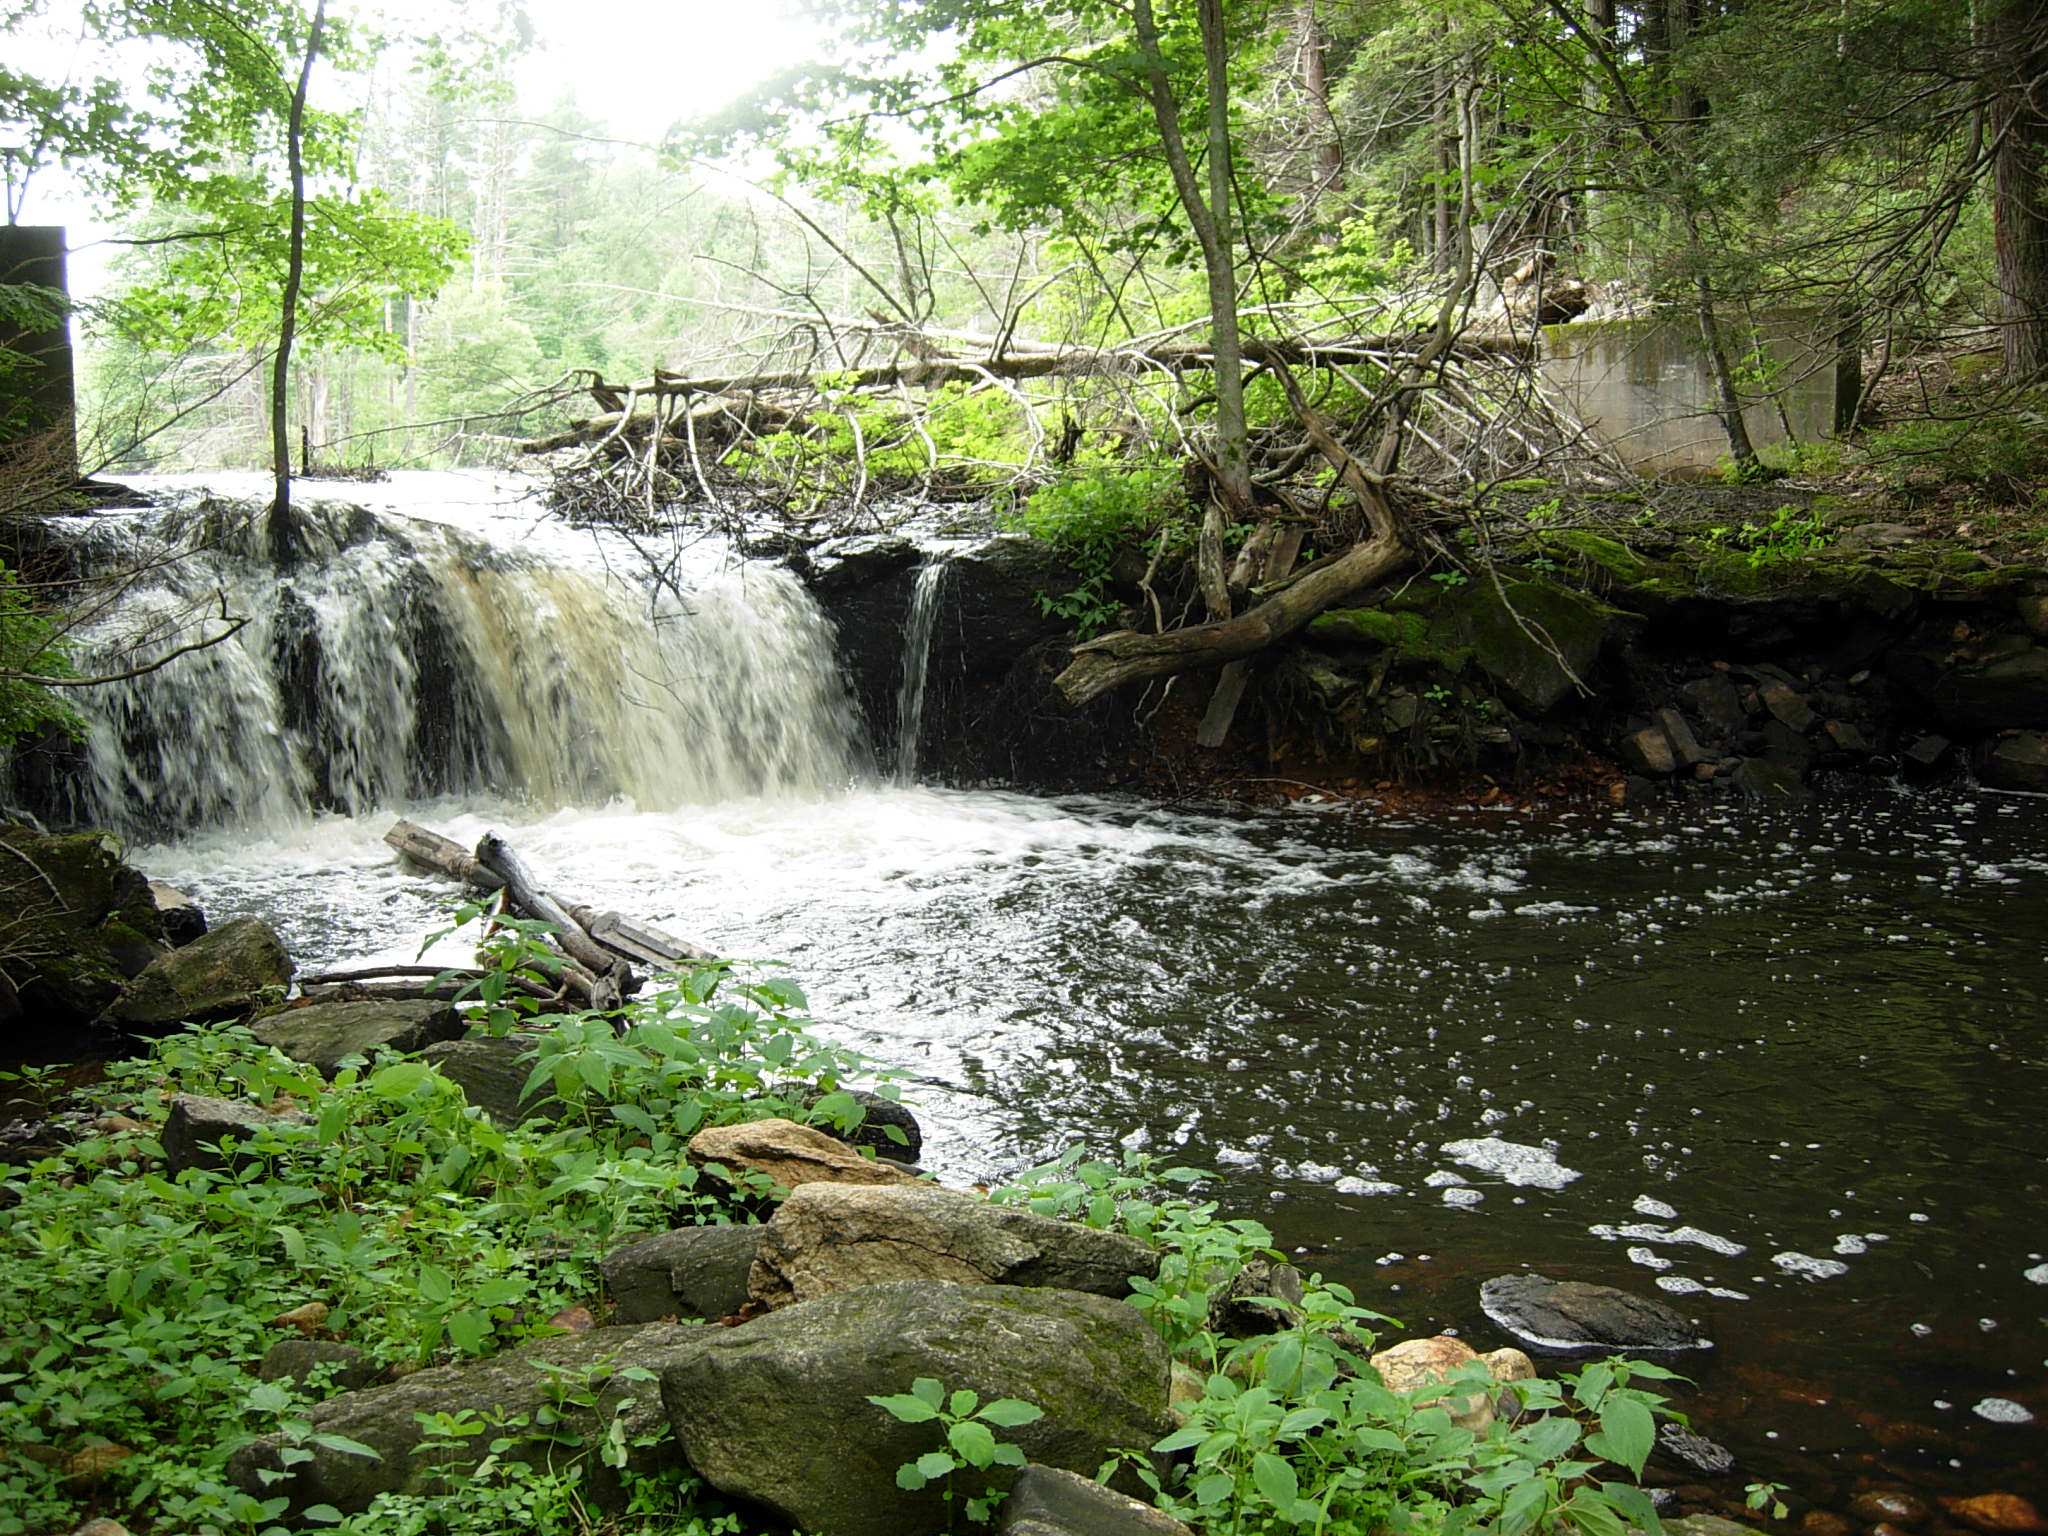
{"x": 1329, "y": 153}
{"x": 2017, "y": 35}
{"x": 1728, "y": 402}
{"x": 295, "y": 268}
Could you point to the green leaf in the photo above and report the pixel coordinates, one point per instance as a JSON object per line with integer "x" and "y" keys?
{"x": 1275, "y": 1480}
{"x": 963, "y": 1403}
{"x": 909, "y": 1479}
{"x": 975, "y": 1442}
{"x": 1214, "y": 1489}
{"x": 436, "y": 1287}
{"x": 928, "y": 1390}
{"x": 935, "y": 1464}
{"x": 324, "y": 1514}
{"x": 1548, "y": 1439}
{"x": 1011, "y": 1413}
{"x": 469, "y": 1329}
{"x": 342, "y": 1445}
{"x": 1525, "y": 1505}
{"x": 400, "y": 1080}
{"x": 1627, "y": 1432}
{"x": 1592, "y": 1386}
{"x": 1182, "y": 1438}
{"x": 911, "y": 1410}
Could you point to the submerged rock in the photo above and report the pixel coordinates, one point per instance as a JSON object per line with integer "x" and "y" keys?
{"x": 1693, "y": 1451}
{"x": 323, "y": 1035}
{"x": 777, "y": 1412}
{"x": 834, "y": 1237}
{"x": 1564, "y": 1316}
{"x": 225, "y": 974}
{"x": 386, "y": 1419}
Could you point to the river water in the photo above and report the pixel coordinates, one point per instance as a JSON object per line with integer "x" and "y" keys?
{"x": 1788, "y": 1068}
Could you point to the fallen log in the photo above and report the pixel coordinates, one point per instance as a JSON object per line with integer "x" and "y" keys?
{"x": 443, "y": 855}
{"x": 455, "y": 975}
{"x": 613, "y": 980}
{"x": 643, "y": 942}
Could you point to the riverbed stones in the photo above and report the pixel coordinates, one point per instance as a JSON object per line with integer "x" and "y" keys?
{"x": 777, "y": 1413}
{"x": 1695, "y": 1452}
{"x": 386, "y": 1419}
{"x": 1050, "y": 1501}
{"x": 197, "y": 1123}
{"x": 827, "y": 1238}
{"x": 324, "y": 1035}
{"x": 1762, "y": 779}
{"x": 226, "y": 973}
{"x": 1998, "y": 1514}
{"x": 691, "y": 1272}
{"x": 790, "y": 1155}
{"x": 1890, "y": 1506}
{"x": 1786, "y": 706}
{"x": 1565, "y": 1316}
{"x": 1648, "y": 751}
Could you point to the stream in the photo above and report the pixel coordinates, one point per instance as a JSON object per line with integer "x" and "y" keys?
{"x": 1786, "y": 1068}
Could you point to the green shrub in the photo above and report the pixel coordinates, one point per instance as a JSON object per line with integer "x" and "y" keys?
{"x": 1088, "y": 517}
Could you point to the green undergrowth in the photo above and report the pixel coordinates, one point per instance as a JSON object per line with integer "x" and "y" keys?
{"x": 135, "y": 1306}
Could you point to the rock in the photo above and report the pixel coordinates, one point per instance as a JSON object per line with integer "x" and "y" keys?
{"x": 880, "y": 1113}
{"x": 384, "y": 1418}
{"x": 1716, "y": 704}
{"x": 833, "y": 1237}
{"x": 777, "y": 1412}
{"x": 1890, "y": 1506}
{"x": 1049, "y": 1501}
{"x": 1418, "y": 1363}
{"x": 1886, "y": 1528}
{"x": 2033, "y": 611}
{"x": 224, "y": 974}
{"x": 1786, "y": 706}
{"x": 294, "y": 1360}
{"x": 492, "y": 1075}
{"x": 1997, "y": 1514}
{"x": 92, "y": 1465}
{"x": 2020, "y": 761}
{"x": 790, "y": 1155}
{"x": 101, "y": 1528}
{"x": 1926, "y": 751}
{"x": 1562, "y": 1316}
{"x": 1664, "y": 1501}
{"x": 82, "y": 923}
{"x": 1649, "y": 751}
{"x": 2003, "y": 687}
{"x": 196, "y": 1123}
{"x": 180, "y": 915}
{"x": 691, "y": 1272}
{"x": 1233, "y": 1311}
{"x": 1761, "y": 779}
{"x": 1825, "y": 1522}
{"x": 323, "y": 1035}
{"x": 1865, "y": 537}
{"x": 1694, "y": 1451}
{"x": 573, "y": 1320}
{"x": 1844, "y": 737}
{"x": 1684, "y": 746}
{"x": 1532, "y": 675}
{"x": 308, "y": 1319}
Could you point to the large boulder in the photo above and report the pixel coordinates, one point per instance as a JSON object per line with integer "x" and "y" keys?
{"x": 1419, "y": 1363}
{"x": 777, "y": 1412}
{"x": 84, "y": 923}
{"x": 691, "y": 1272}
{"x": 492, "y": 1074}
{"x": 225, "y": 974}
{"x": 323, "y": 1035}
{"x": 790, "y": 1155}
{"x": 834, "y": 1237}
{"x": 2019, "y": 761}
{"x": 512, "y": 1385}
{"x": 1047, "y": 1501}
{"x": 1566, "y": 1316}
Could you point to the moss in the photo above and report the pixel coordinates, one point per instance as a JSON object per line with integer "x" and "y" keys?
{"x": 1531, "y": 635}
{"x": 1620, "y": 563}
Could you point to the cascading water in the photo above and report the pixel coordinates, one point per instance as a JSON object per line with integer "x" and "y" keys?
{"x": 400, "y": 657}
{"x": 917, "y": 654}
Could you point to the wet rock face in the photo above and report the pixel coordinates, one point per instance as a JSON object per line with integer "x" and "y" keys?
{"x": 1566, "y": 1316}
{"x": 2018, "y": 761}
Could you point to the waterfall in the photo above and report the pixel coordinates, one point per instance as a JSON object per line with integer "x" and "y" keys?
{"x": 917, "y": 653}
{"x": 402, "y": 657}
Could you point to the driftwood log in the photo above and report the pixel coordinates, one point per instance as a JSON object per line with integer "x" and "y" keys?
{"x": 600, "y": 949}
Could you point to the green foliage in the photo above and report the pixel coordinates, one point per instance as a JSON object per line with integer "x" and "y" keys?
{"x": 1998, "y": 451}
{"x": 134, "y": 1307}
{"x": 30, "y": 647}
{"x": 1088, "y": 517}
{"x": 966, "y": 1427}
{"x": 1791, "y": 534}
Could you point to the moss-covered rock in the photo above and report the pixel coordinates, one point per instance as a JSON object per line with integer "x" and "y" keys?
{"x": 225, "y": 974}
{"x": 83, "y": 924}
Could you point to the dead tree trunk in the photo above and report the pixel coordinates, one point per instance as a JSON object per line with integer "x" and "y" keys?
{"x": 614, "y": 980}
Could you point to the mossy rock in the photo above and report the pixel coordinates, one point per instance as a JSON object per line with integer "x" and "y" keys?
{"x": 87, "y": 924}
{"x": 227, "y": 973}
